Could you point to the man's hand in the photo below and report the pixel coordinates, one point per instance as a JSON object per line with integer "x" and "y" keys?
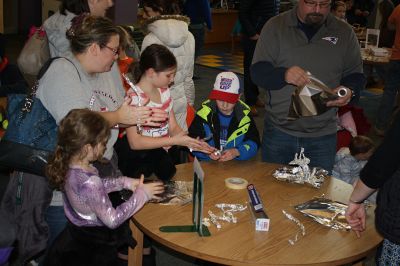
{"x": 340, "y": 101}
{"x": 296, "y": 76}
{"x": 254, "y": 37}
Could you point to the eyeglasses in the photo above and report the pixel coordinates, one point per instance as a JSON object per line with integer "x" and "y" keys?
{"x": 315, "y": 4}
{"x": 115, "y": 51}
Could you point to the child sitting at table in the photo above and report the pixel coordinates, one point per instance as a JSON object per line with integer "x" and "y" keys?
{"x": 351, "y": 160}
{"x": 224, "y": 122}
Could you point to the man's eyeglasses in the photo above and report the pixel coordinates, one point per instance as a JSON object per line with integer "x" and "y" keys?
{"x": 115, "y": 51}
{"x": 315, "y": 4}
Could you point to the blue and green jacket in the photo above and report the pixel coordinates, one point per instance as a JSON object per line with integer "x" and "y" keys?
{"x": 242, "y": 131}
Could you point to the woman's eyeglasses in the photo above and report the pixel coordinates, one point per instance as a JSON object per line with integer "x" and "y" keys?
{"x": 315, "y": 4}
{"x": 115, "y": 51}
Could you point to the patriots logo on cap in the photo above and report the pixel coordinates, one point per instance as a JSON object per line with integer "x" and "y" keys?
{"x": 225, "y": 83}
{"x": 331, "y": 39}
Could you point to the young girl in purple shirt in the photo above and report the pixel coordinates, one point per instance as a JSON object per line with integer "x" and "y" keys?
{"x": 89, "y": 237}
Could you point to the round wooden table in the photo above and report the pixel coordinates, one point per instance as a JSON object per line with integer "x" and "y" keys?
{"x": 241, "y": 244}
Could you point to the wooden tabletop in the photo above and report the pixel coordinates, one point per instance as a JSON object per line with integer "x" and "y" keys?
{"x": 241, "y": 244}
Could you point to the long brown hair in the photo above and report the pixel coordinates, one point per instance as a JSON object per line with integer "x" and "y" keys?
{"x": 78, "y": 128}
{"x": 155, "y": 56}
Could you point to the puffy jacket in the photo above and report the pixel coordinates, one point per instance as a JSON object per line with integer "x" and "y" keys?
{"x": 172, "y": 31}
{"x": 242, "y": 131}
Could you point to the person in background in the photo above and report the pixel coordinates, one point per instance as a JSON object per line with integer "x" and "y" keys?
{"x": 224, "y": 122}
{"x": 350, "y": 17}
{"x": 290, "y": 45}
{"x": 350, "y": 160}
{"x": 89, "y": 237}
{"x": 360, "y": 11}
{"x": 124, "y": 61}
{"x": 165, "y": 25}
{"x": 381, "y": 172}
{"x": 11, "y": 79}
{"x": 386, "y": 35}
{"x": 57, "y": 24}
{"x": 339, "y": 10}
{"x": 199, "y": 13}
{"x": 392, "y": 78}
{"x": 253, "y": 14}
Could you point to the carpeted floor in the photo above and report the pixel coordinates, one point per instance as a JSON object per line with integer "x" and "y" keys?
{"x": 222, "y": 61}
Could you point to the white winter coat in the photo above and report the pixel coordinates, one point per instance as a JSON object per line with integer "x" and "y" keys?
{"x": 172, "y": 31}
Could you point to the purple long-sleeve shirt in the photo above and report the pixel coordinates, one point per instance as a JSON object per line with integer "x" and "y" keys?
{"x": 86, "y": 202}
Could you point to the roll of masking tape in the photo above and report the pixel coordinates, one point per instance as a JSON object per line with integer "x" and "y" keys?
{"x": 236, "y": 183}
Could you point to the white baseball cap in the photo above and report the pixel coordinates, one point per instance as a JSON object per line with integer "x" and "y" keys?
{"x": 226, "y": 88}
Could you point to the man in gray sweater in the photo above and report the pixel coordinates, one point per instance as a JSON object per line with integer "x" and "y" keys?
{"x": 306, "y": 38}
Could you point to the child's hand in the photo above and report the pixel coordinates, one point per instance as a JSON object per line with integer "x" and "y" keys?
{"x": 183, "y": 139}
{"x": 215, "y": 156}
{"x": 152, "y": 189}
{"x": 135, "y": 182}
{"x": 229, "y": 154}
{"x": 206, "y": 148}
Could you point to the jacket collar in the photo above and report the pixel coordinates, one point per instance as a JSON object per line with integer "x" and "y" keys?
{"x": 148, "y": 21}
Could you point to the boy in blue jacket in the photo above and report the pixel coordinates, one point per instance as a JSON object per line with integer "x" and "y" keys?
{"x": 224, "y": 122}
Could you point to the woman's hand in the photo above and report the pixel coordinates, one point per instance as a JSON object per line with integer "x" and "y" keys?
{"x": 355, "y": 216}
{"x": 152, "y": 189}
{"x": 144, "y": 115}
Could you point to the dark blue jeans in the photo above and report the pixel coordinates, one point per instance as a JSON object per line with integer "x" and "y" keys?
{"x": 280, "y": 147}
{"x": 392, "y": 86}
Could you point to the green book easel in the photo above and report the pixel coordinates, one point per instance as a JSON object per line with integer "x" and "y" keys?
{"x": 198, "y": 202}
